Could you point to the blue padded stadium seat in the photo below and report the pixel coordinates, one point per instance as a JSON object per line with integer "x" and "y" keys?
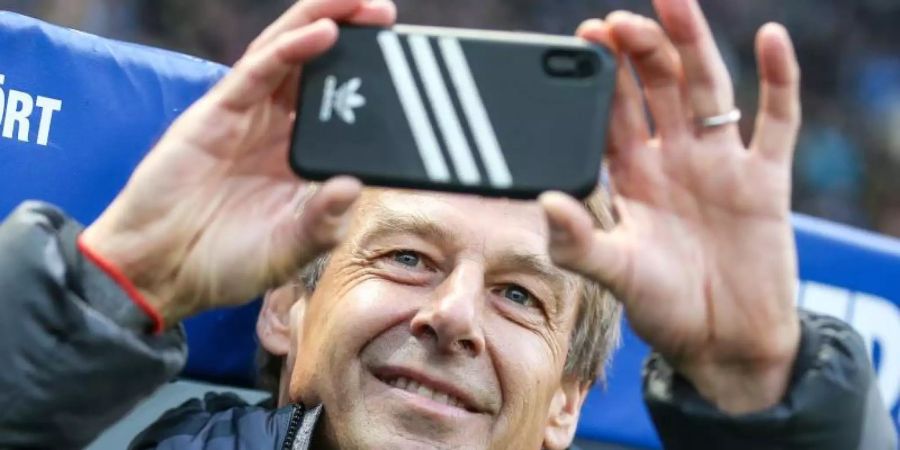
{"x": 78, "y": 112}
{"x": 108, "y": 102}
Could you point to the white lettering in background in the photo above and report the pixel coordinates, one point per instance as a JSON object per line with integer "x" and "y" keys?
{"x": 875, "y": 318}
{"x": 16, "y": 114}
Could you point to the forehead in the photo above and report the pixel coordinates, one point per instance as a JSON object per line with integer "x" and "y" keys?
{"x": 506, "y": 236}
{"x": 487, "y": 223}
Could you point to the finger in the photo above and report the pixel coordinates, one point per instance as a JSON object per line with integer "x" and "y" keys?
{"x": 374, "y": 13}
{"x": 709, "y": 88}
{"x": 305, "y": 12}
{"x": 628, "y": 121}
{"x": 778, "y": 120}
{"x": 645, "y": 44}
{"x": 287, "y": 93}
{"x": 324, "y": 218}
{"x": 259, "y": 74}
{"x": 577, "y": 246}
{"x": 380, "y": 13}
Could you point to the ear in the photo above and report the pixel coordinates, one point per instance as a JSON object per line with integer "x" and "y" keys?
{"x": 273, "y": 325}
{"x": 565, "y": 408}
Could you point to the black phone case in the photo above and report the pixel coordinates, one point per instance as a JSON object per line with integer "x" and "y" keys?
{"x": 454, "y": 110}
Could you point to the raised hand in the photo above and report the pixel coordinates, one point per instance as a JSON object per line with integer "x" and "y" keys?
{"x": 703, "y": 258}
{"x": 209, "y": 218}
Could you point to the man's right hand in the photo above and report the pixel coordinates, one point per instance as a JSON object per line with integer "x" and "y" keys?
{"x": 210, "y": 217}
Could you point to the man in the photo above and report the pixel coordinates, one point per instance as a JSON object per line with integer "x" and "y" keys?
{"x": 438, "y": 320}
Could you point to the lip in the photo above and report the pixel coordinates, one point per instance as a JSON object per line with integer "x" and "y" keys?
{"x": 470, "y": 404}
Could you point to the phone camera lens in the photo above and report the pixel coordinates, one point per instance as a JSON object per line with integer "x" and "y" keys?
{"x": 585, "y": 66}
{"x": 569, "y": 64}
{"x": 560, "y": 64}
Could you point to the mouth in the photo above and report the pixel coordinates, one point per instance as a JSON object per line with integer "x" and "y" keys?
{"x": 428, "y": 388}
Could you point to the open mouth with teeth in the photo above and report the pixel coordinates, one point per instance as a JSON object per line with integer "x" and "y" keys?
{"x": 429, "y": 392}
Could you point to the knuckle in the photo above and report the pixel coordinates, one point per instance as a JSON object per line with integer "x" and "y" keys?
{"x": 250, "y": 69}
{"x": 701, "y": 76}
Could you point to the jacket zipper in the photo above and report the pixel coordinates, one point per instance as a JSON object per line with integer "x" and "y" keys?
{"x": 293, "y": 428}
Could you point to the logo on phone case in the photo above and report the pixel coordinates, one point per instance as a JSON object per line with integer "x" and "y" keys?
{"x": 451, "y": 122}
{"x": 341, "y": 100}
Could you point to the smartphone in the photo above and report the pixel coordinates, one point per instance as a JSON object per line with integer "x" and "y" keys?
{"x": 493, "y": 113}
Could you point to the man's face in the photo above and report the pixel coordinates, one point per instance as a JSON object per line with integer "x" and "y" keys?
{"x": 439, "y": 323}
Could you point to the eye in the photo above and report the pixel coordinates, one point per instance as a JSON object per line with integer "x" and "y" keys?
{"x": 407, "y": 258}
{"x": 518, "y": 294}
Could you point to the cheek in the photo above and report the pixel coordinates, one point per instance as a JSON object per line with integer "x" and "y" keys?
{"x": 529, "y": 368}
{"x": 336, "y": 327}
{"x": 364, "y": 310}
{"x": 518, "y": 350}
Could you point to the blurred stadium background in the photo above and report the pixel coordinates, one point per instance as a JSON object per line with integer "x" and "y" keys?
{"x": 848, "y": 158}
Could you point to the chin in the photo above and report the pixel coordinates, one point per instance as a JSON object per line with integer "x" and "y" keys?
{"x": 399, "y": 440}
{"x": 385, "y": 415}
{"x": 380, "y": 426}
{"x": 380, "y": 431}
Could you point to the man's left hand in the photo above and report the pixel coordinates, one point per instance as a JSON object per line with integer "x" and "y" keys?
{"x": 703, "y": 258}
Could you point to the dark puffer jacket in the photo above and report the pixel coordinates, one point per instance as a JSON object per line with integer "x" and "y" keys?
{"x": 78, "y": 355}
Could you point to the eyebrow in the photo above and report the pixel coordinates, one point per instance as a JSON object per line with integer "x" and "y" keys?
{"x": 386, "y": 221}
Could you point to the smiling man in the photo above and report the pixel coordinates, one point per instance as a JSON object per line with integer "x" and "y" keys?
{"x": 441, "y": 319}
{"x": 438, "y": 320}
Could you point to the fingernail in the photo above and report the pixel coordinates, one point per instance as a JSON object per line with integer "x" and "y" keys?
{"x": 326, "y": 23}
{"x": 341, "y": 207}
{"x": 338, "y": 209}
{"x": 559, "y": 235}
{"x": 343, "y": 219}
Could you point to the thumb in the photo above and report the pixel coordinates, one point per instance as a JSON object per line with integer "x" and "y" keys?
{"x": 320, "y": 224}
{"x": 575, "y": 244}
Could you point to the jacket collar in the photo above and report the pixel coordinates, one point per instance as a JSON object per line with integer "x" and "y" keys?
{"x": 303, "y": 423}
{"x": 300, "y": 429}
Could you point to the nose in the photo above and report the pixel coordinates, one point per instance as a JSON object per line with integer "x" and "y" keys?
{"x": 452, "y": 317}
